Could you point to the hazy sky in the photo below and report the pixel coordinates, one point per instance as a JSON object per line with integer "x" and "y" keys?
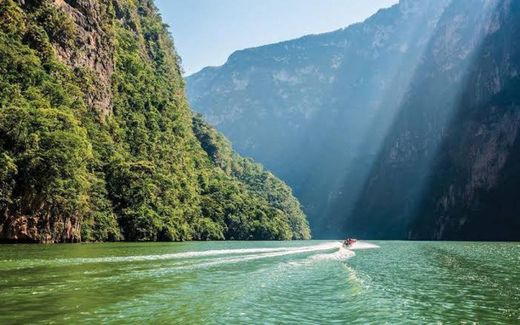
{"x": 206, "y": 32}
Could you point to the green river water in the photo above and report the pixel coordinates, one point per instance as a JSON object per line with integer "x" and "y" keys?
{"x": 309, "y": 282}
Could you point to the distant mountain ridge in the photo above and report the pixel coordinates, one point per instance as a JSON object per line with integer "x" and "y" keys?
{"x": 358, "y": 121}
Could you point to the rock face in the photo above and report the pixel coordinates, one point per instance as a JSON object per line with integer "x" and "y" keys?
{"x": 389, "y": 128}
{"x": 94, "y": 47}
{"x": 470, "y": 192}
{"x": 441, "y": 173}
{"x": 89, "y": 48}
{"x": 33, "y": 229}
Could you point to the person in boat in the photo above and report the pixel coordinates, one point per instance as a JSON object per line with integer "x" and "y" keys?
{"x": 348, "y": 242}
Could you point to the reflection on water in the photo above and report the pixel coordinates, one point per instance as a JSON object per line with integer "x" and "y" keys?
{"x": 252, "y": 282}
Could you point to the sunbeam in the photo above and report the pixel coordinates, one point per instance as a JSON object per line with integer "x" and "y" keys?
{"x": 395, "y": 186}
{"x": 395, "y": 75}
{"x": 343, "y": 137}
{"x": 490, "y": 145}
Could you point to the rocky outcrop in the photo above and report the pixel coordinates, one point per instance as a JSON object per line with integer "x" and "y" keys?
{"x": 472, "y": 185}
{"x": 442, "y": 173}
{"x": 92, "y": 49}
{"x": 44, "y": 229}
{"x": 89, "y": 50}
{"x": 436, "y": 108}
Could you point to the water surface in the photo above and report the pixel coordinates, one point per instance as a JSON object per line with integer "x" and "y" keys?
{"x": 260, "y": 282}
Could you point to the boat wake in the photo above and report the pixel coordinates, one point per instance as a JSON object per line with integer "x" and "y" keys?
{"x": 208, "y": 258}
{"x": 344, "y": 253}
{"x": 340, "y": 254}
{"x": 362, "y": 245}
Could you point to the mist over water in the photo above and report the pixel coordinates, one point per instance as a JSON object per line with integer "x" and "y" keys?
{"x": 258, "y": 282}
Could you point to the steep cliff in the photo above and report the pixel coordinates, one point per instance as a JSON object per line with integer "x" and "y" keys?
{"x": 439, "y": 171}
{"x": 469, "y": 191}
{"x": 403, "y": 126}
{"x": 97, "y": 141}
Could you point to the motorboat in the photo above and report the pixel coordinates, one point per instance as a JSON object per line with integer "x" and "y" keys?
{"x": 349, "y": 242}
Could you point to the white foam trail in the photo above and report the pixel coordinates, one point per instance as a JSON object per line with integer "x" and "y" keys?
{"x": 193, "y": 254}
{"x": 298, "y": 250}
{"x": 287, "y": 251}
{"x": 186, "y": 255}
{"x": 247, "y": 254}
{"x": 362, "y": 245}
{"x": 341, "y": 254}
{"x": 232, "y": 260}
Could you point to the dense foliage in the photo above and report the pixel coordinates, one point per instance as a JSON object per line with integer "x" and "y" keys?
{"x": 262, "y": 186}
{"x": 70, "y": 172}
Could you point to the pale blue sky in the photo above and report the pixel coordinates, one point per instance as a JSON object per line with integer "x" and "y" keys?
{"x": 206, "y": 32}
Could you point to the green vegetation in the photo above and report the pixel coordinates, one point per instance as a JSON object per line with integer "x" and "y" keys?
{"x": 268, "y": 195}
{"x": 146, "y": 171}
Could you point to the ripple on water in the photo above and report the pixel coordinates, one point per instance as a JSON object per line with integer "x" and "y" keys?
{"x": 309, "y": 282}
